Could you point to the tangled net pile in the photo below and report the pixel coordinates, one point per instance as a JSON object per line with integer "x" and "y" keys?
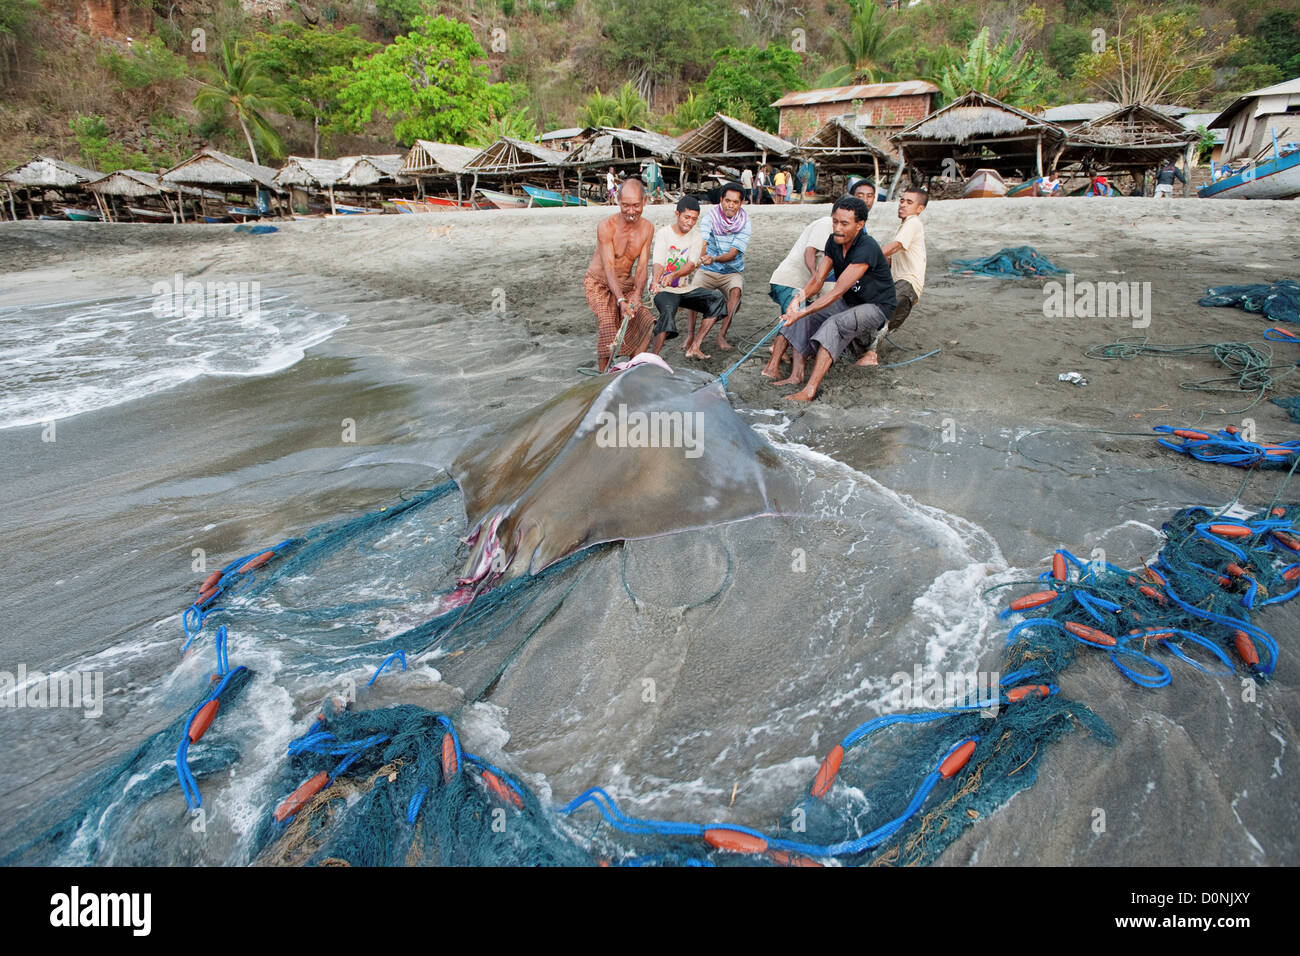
{"x": 1276, "y": 300}
{"x": 1015, "y": 262}
{"x": 395, "y": 786}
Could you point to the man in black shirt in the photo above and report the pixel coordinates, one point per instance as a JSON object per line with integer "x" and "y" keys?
{"x": 860, "y": 303}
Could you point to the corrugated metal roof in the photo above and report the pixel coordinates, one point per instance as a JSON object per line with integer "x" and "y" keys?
{"x": 863, "y": 91}
{"x": 562, "y": 133}
{"x": 1086, "y": 112}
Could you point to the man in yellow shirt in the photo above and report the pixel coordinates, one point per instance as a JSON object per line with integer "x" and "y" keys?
{"x": 906, "y": 255}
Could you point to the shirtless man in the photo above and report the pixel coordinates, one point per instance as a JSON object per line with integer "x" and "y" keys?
{"x": 613, "y": 293}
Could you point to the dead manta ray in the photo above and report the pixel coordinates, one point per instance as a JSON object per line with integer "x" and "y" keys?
{"x": 641, "y": 453}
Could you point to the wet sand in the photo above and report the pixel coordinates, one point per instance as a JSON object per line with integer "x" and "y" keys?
{"x": 102, "y": 522}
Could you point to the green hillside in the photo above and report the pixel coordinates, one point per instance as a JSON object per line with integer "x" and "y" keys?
{"x": 110, "y": 86}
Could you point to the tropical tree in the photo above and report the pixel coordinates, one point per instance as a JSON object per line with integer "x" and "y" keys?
{"x": 754, "y": 77}
{"x": 302, "y": 60}
{"x": 630, "y": 107}
{"x": 239, "y": 82}
{"x": 1156, "y": 55}
{"x": 515, "y": 123}
{"x": 863, "y": 46}
{"x": 660, "y": 43}
{"x": 432, "y": 80}
{"x": 599, "y": 110}
{"x": 1007, "y": 71}
{"x": 691, "y": 113}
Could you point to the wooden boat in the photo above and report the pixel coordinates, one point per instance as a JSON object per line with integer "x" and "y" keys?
{"x": 77, "y": 214}
{"x": 217, "y": 219}
{"x": 1024, "y": 190}
{"x": 1277, "y": 178}
{"x": 248, "y": 212}
{"x": 503, "y": 200}
{"x": 549, "y": 197}
{"x": 430, "y": 204}
{"x": 984, "y": 184}
{"x": 343, "y": 210}
{"x": 141, "y": 214}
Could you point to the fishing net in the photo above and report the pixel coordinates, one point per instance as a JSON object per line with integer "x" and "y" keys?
{"x": 1015, "y": 262}
{"x": 1278, "y": 300}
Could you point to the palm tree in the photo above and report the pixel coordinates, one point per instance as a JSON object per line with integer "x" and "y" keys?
{"x": 599, "y": 110}
{"x": 630, "y": 107}
{"x": 691, "y": 113}
{"x": 237, "y": 82}
{"x": 863, "y": 46}
{"x": 516, "y": 124}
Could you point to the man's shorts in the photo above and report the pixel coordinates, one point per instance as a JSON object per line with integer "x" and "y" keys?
{"x": 1165, "y": 191}
{"x": 723, "y": 281}
{"x": 782, "y": 295}
{"x": 834, "y": 327}
{"x": 711, "y": 303}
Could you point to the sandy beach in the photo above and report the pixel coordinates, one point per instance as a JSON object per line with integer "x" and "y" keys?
{"x": 450, "y": 332}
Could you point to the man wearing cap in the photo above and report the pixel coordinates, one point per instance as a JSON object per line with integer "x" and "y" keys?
{"x": 678, "y": 247}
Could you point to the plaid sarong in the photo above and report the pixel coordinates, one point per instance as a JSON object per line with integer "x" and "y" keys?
{"x": 608, "y": 317}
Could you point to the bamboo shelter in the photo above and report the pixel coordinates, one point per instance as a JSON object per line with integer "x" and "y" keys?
{"x": 607, "y": 146}
{"x": 1132, "y": 139}
{"x": 973, "y": 132}
{"x": 727, "y": 143}
{"x": 214, "y": 171}
{"x": 839, "y": 149}
{"x": 305, "y": 178}
{"x": 509, "y": 161}
{"x": 435, "y": 166}
{"x": 45, "y": 181}
{"x": 143, "y": 197}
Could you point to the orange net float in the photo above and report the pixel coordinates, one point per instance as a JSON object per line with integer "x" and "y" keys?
{"x": 1058, "y": 567}
{"x": 1230, "y": 531}
{"x": 203, "y": 720}
{"x": 1245, "y": 648}
{"x": 1090, "y": 634}
{"x": 501, "y": 790}
{"x": 301, "y": 797}
{"x": 827, "y": 771}
{"x": 1291, "y": 574}
{"x": 1286, "y": 540}
{"x": 1189, "y": 433}
{"x": 211, "y": 581}
{"x": 953, "y": 763}
{"x": 255, "y": 563}
{"x": 1037, "y": 599}
{"x": 450, "y": 762}
{"x": 734, "y": 840}
{"x": 1028, "y": 690}
{"x": 783, "y": 858}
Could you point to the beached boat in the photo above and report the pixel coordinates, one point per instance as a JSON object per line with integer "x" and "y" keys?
{"x": 538, "y": 196}
{"x": 141, "y": 214}
{"x": 503, "y": 200}
{"x": 984, "y": 184}
{"x": 1024, "y": 189}
{"x": 77, "y": 214}
{"x": 217, "y": 219}
{"x": 248, "y": 212}
{"x": 430, "y": 204}
{"x": 1277, "y": 178}
{"x": 342, "y": 210}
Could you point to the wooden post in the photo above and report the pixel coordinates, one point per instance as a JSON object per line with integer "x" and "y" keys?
{"x": 902, "y": 161}
{"x": 333, "y": 210}
{"x": 458, "y": 191}
{"x": 875, "y": 170}
{"x": 1187, "y": 171}
{"x": 1039, "y": 151}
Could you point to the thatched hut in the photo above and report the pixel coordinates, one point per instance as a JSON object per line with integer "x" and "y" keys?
{"x": 973, "y": 132}
{"x": 435, "y": 166}
{"x": 306, "y": 177}
{"x": 44, "y": 176}
{"x": 728, "y": 143}
{"x": 227, "y": 174}
{"x": 143, "y": 197}
{"x": 839, "y": 148}
{"x": 608, "y": 146}
{"x": 511, "y": 160}
{"x": 1132, "y": 139}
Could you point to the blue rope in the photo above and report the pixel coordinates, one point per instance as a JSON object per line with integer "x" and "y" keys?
{"x": 397, "y": 656}
{"x": 761, "y": 342}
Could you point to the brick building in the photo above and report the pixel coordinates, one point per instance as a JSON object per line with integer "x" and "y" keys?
{"x": 887, "y": 106}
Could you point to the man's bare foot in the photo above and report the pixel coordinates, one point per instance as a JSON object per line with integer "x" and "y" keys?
{"x": 869, "y": 359}
{"x": 722, "y": 344}
{"x": 769, "y": 371}
{"x": 800, "y": 396}
{"x": 790, "y": 381}
{"x": 694, "y": 352}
